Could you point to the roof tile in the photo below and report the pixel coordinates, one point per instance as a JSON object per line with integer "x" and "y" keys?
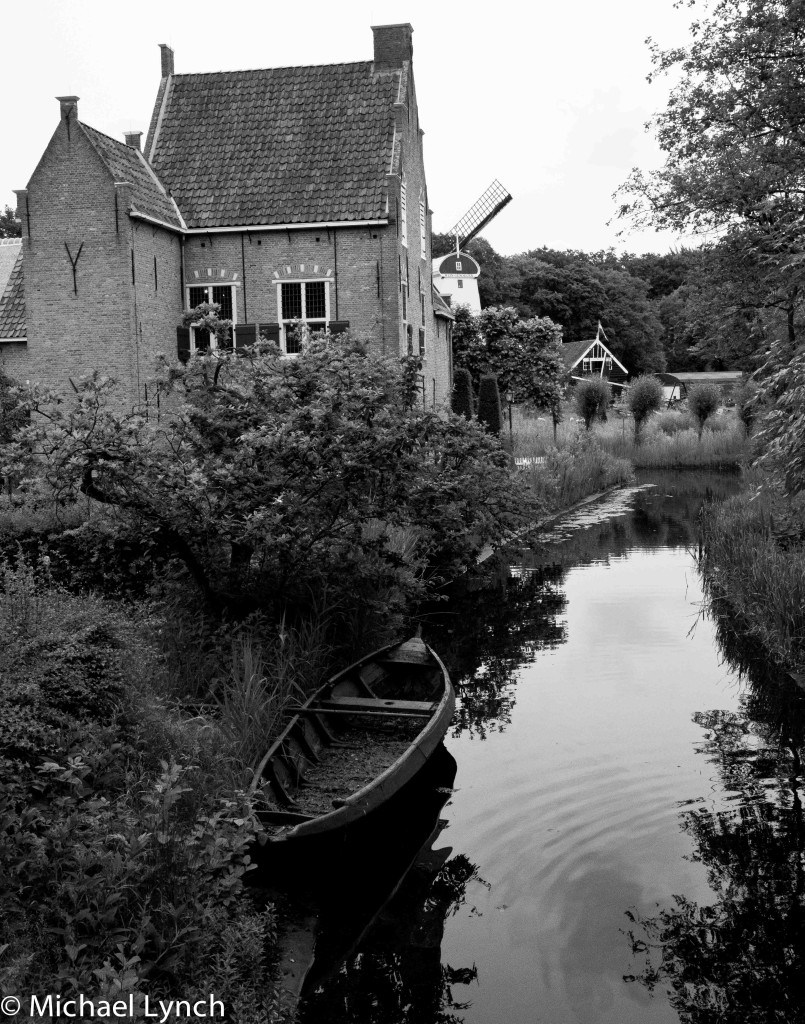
{"x": 278, "y": 146}
{"x": 12, "y": 304}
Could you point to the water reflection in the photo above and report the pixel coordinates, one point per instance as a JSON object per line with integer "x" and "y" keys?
{"x": 494, "y": 624}
{"x": 741, "y": 957}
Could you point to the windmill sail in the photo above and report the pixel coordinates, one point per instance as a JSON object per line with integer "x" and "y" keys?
{"x": 480, "y": 213}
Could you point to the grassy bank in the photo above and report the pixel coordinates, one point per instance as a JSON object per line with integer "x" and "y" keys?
{"x": 670, "y": 439}
{"x": 582, "y": 467}
{"x": 754, "y": 562}
{"x": 124, "y": 821}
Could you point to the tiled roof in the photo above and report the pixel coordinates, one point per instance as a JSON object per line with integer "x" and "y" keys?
{"x": 277, "y": 146}
{"x": 12, "y": 304}
{"x": 128, "y": 164}
{"x": 572, "y": 351}
{"x": 9, "y": 249}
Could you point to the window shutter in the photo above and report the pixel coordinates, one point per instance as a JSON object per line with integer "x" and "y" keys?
{"x": 245, "y": 334}
{"x": 339, "y": 326}
{"x": 271, "y": 331}
{"x": 183, "y": 343}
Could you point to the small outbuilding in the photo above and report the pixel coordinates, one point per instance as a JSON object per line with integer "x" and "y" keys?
{"x": 593, "y": 359}
{"x": 676, "y": 386}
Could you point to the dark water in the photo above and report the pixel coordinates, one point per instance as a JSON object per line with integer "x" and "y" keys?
{"x": 624, "y": 844}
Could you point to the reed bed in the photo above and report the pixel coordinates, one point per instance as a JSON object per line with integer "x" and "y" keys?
{"x": 670, "y": 439}
{"x": 566, "y": 475}
{"x": 754, "y": 562}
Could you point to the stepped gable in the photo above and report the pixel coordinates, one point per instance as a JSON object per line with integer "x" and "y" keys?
{"x": 297, "y": 145}
{"x": 127, "y": 163}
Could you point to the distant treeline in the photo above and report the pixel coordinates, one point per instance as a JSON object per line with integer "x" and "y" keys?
{"x": 681, "y": 310}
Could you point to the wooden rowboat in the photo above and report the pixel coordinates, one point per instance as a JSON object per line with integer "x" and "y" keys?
{"x": 353, "y": 746}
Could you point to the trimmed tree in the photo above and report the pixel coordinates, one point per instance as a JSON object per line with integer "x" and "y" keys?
{"x": 592, "y": 398}
{"x": 462, "y": 398}
{"x": 644, "y": 398}
{"x": 746, "y": 402}
{"x": 703, "y": 401}
{"x": 489, "y": 412}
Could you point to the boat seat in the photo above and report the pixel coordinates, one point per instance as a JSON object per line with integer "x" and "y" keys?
{"x": 375, "y": 706}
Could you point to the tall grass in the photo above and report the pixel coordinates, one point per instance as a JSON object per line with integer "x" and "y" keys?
{"x": 566, "y": 475}
{"x": 270, "y": 671}
{"x": 754, "y": 561}
{"x": 669, "y": 439}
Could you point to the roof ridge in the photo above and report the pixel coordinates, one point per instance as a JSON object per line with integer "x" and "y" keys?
{"x": 280, "y": 67}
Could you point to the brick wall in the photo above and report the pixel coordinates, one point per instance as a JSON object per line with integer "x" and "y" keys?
{"x": 158, "y": 302}
{"x": 436, "y": 368}
{"x": 74, "y": 327}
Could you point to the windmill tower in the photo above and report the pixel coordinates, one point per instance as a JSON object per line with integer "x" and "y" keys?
{"x": 456, "y": 275}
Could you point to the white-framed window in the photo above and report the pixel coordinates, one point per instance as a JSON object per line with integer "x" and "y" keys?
{"x": 304, "y": 304}
{"x": 225, "y": 295}
{"x": 458, "y": 264}
{"x": 403, "y": 215}
{"x": 423, "y": 228}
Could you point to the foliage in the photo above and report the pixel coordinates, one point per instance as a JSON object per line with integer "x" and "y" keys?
{"x": 206, "y": 317}
{"x": 489, "y": 412}
{"x": 746, "y": 402}
{"x": 10, "y": 227}
{"x": 581, "y": 468}
{"x": 782, "y": 435}
{"x": 525, "y": 355}
{"x": 703, "y": 400}
{"x": 734, "y": 156}
{"x": 123, "y": 836}
{"x": 462, "y": 398}
{"x": 754, "y": 557}
{"x": 12, "y": 413}
{"x": 268, "y": 480}
{"x": 592, "y": 397}
{"x": 643, "y": 398}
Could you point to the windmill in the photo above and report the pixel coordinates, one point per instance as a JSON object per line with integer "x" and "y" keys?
{"x": 456, "y": 275}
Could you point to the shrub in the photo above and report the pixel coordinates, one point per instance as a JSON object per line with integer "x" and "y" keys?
{"x": 462, "y": 399}
{"x": 264, "y": 481}
{"x": 703, "y": 401}
{"x": 643, "y": 398}
{"x": 592, "y": 398}
{"x": 746, "y": 402}
{"x": 489, "y": 411}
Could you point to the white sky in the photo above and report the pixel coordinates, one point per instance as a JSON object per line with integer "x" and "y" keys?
{"x": 549, "y": 98}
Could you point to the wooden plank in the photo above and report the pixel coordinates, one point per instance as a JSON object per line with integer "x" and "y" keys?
{"x": 378, "y": 705}
{"x": 373, "y": 712}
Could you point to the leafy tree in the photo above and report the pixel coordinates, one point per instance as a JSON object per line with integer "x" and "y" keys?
{"x": 12, "y": 412}
{"x": 735, "y": 159}
{"x": 489, "y": 412}
{"x": 704, "y": 399}
{"x": 524, "y": 355}
{"x": 10, "y": 227}
{"x": 276, "y": 479}
{"x": 643, "y": 398}
{"x": 592, "y": 396}
{"x": 462, "y": 398}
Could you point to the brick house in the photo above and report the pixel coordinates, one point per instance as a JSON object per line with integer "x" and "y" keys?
{"x": 285, "y": 195}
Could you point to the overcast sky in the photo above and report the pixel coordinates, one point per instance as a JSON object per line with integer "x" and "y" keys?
{"x": 551, "y": 99}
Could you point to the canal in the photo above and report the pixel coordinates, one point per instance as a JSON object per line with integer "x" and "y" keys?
{"x": 623, "y": 843}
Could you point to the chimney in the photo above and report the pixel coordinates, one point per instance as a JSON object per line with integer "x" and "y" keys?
{"x": 133, "y": 139}
{"x": 167, "y": 60}
{"x": 393, "y": 45}
{"x": 68, "y": 105}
